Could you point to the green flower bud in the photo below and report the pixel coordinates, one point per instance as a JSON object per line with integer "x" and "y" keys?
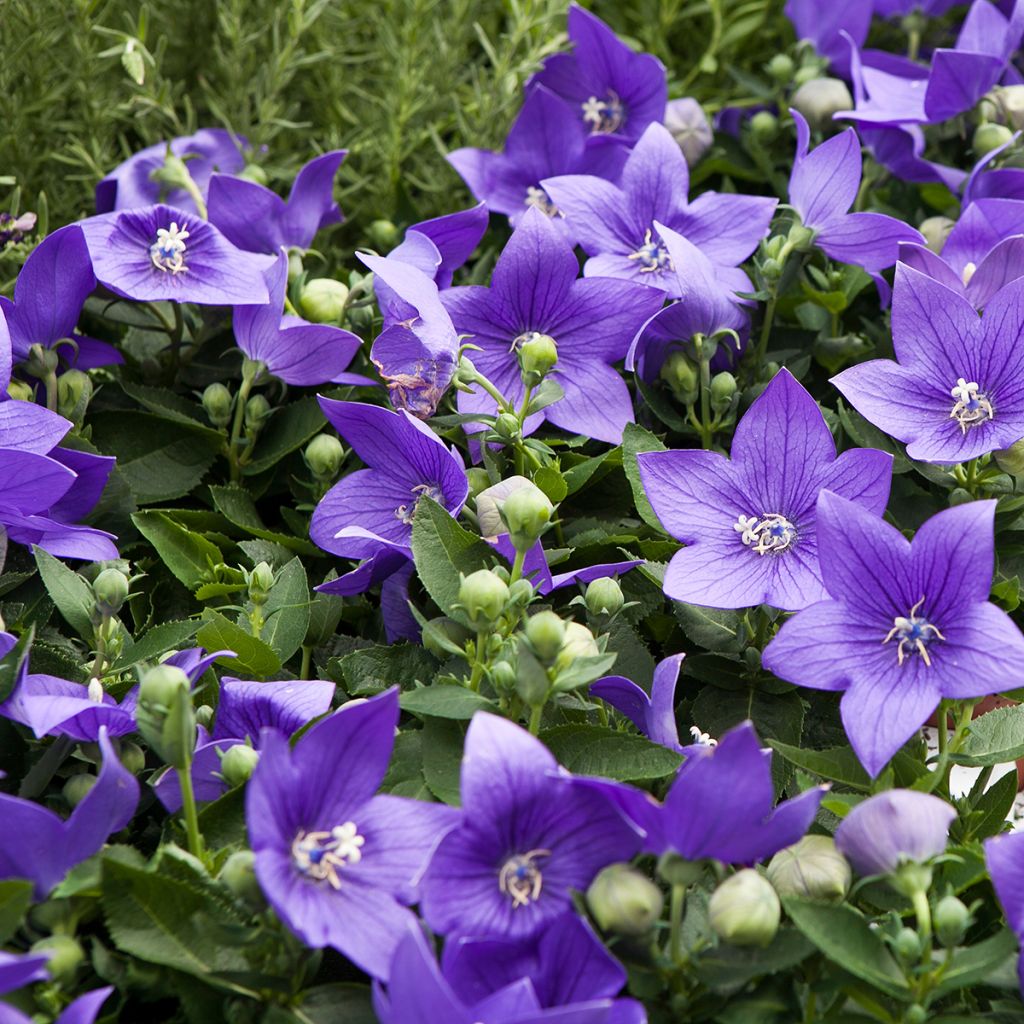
{"x": 441, "y": 634}
{"x": 77, "y": 787}
{"x": 489, "y": 501}
{"x": 66, "y": 956}
{"x": 20, "y": 391}
{"x": 161, "y": 685}
{"x": 238, "y": 764}
{"x": 744, "y": 910}
{"x": 907, "y": 945}
{"x": 257, "y": 409}
{"x": 503, "y": 676}
{"x": 383, "y": 235}
{"x": 42, "y": 362}
{"x": 261, "y": 581}
{"x": 132, "y": 756}
{"x": 173, "y": 174}
{"x": 604, "y": 596}
{"x": 506, "y": 426}
{"x": 988, "y": 137}
{"x": 624, "y": 901}
{"x": 324, "y": 455}
{"x": 217, "y": 404}
{"x": 537, "y": 356}
{"x": 811, "y": 869}
{"x": 239, "y": 875}
{"x": 820, "y": 98}
{"x": 204, "y": 716}
{"x": 781, "y": 68}
{"x": 74, "y": 392}
{"x": 771, "y": 269}
{"x": 936, "y": 230}
{"x": 253, "y": 172}
{"x": 110, "y": 590}
{"x": 482, "y": 596}
{"x": 526, "y": 512}
{"x": 520, "y": 593}
{"x": 295, "y": 267}
{"x": 579, "y": 643}
{"x": 916, "y": 1014}
{"x": 951, "y": 920}
{"x": 546, "y": 633}
{"x": 164, "y": 715}
{"x": 764, "y": 126}
{"x": 723, "y": 388}
{"x": 323, "y": 300}
{"x": 1011, "y": 103}
{"x": 681, "y": 375}
{"x": 678, "y": 870}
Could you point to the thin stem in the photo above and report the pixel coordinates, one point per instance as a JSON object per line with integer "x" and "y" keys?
{"x": 766, "y": 327}
{"x": 188, "y": 809}
{"x": 307, "y": 657}
{"x": 236, "y": 428}
{"x": 675, "y": 931}
{"x": 517, "y": 567}
{"x": 535, "y": 715}
{"x": 923, "y": 913}
{"x": 706, "y": 430}
{"x": 478, "y": 661}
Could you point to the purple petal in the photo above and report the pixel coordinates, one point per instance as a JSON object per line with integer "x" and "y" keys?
{"x": 247, "y": 707}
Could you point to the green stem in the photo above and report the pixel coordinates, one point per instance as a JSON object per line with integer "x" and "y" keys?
{"x": 176, "y": 333}
{"x": 517, "y": 567}
{"x": 923, "y": 913}
{"x": 52, "y": 393}
{"x": 706, "y": 430}
{"x": 971, "y": 478}
{"x": 675, "y": 931}
{"x": 503, "y": 404}
{"x": 535, "y": 715}
{"x": 188, "y": 810}
{"x": 766, "y": 328}
{"x": 478, "y": 662}
{"x": 307, "y": 658}
{"x": 236, "y": 429}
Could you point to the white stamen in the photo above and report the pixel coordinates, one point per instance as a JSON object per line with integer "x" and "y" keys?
{"x": 320, "y": 855}
{"x": 604, "y": 116}
{"x": 653, "y": 255}
{"x": 521, "y": 879}
{"x": 536, "y": 196}
{"x": 915, "y": 633}
{"x": 405, "y": 513}
{"x": 969, "y": 269}
{"x": 168, "y": 251}
{"x": 771, "y": 533}
{"x": 971, "y": 408}
{"x": 702, "y": 738}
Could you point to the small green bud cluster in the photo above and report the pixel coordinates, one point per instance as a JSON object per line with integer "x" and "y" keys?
{"x": 110, "y": 591}
{"x": 811, "y": 869}
{"x": 537, "y": 357}
{"x": 482, "y": 598}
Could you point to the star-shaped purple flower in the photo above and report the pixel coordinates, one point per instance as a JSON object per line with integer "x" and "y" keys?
{"x": 956, "y": 390}
{"x": 611, "y": 89}
{"x": 258, "y": 220}
{"x": 528, "y": 835}
{"x": 335, "y": 861}
{"x": 749, "y": 522}
{"x": 37, "y": 845}
{"x": 615, "y": 224}
{"x": 534, "y": 290}
{"x": 904, "y": 625}
{"x": 1004, "y": 857}
{"x": 163, "y": 253}
{"x": 654, "y": 715}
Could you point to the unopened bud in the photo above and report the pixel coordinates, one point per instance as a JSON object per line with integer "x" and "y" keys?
{"x": 1011, "y": 102}
{"x": 261, "y": 580}
{"x": 546, "y": 634}
{"x": 520, "y": 593}
{"x": 161, "y": 685}
{"x": 383, "y": 235}
{"x": 537, "y": 356}
{"x": 482, "y": 597}
{"x": 579, "y": 642}
{"x": 164, "y": 714}
{"x": 526, "y": 513}
{"x": 74, "y": 392}
{"x": 20, "y": 391}
{"x": 42, "y": 362}
{"x": 239, "y": 875}
{"x": 205, "y": 716}
{"x": 217, "y": 403}
{"x": 988, "y": 137}
{"x": 132, "y": 756}
{"x": 744, "y": 910}
{"x": 811, "y": 869}
{"x": 111, "y": 591}
{"x": 781, "y": 68}
{"x": 323, "y": 300}
{"x": 907, "y": 945}
{"x": 624, "y": 901}
{"x": 506, "y": 426}
{"x": 604, "y": 596}
{"x": 686, "y": 121}
{"x": 238, "y": 764}
{"x": 324, "y": 455}
{"x": 764, "y": 126}
{"x": 820, "y": 98}
{"x": 951, "y": 919}
{"x": 679, "y": 372}
{"x": 936, "y": 230}
{"x": 723, "y": 388}
{"x": 916, "y": 1014}
{"x": 77, "y": 787}
{"x": 503, "y": 676}
{"x": 257, "y": 409}
{"x": 65, "y": 957}
{"x": 253, "y": 172}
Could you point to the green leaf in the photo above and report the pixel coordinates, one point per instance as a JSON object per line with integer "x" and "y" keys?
{"x": 995, "y": 738}
{"x": 189, "y": 556}
{"x": 441, "y": 701}
{"x": 338, "y": 1003}
{"x": 70, "y": 592}
{"x": 443, "y": 741}
{"x": 237, "y": 506}
{"x": 714, "y": 629}
{"x": 222, "y": 822}
{"x": 15, "y": 899}
{"x": 727, "y": 968}
{"x": 971, "y": 966}
{"x": 287, "y": 611}
{"x": 595, "y": 750}
{"x": 845, "y": 937}
{"x": 839, "y": 764}
{"x": 866, "y": 435}
{"x": 373, "y": 669}
{"x": 253, "y": 658}
{"x": 168, "y": 636}
{"x": 989, "y": 814}
{"x": 636, "y": 439}
{"x": 551, "y": 482}
{"x": 442, "y": 549}
{"x": 288, "y": 429}
{"x": 169, "y": 406}
{"x": 776, "y": 715}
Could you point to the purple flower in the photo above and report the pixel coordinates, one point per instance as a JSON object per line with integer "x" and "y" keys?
{"x": 538, "y": 572}
{"x": 749, "y": 522}
{"x": 983, "y": 252}
{"x": 707, "y": 307}
{"x": 1004, "y": 857}
{"x": 544, "y": 141}
{"x": 615, "y": 224}
{"x": 888, "y": 829}
{"x": 610, "y": 89}
{"x": 417, "y": 353}
{"x": 131, "y": 184}
{"x": 336, "y": 862}
{"x": 1000, "y": 183}
{"x": 904, "y": 626}
{"x": 455, "y": 236}
{"x": 822, "y": 189}
{"x": 48, "y": 298}
{"x": 528, "y": 835}
{"x": 654, "y": 715}
{"x": 163, "y": 253}
{"x": 900, "y": 149}
{"x": 956, "y": 390}
{"x": 14, "y": 229}
{"x": 37, "y": 845}
{"x": 418, "y": 993}
{"x": 258, "y": 220}
{"x": 298, "y": 352}
{"x": 827, "y": 26}
{"x": 16, "y": 971}
{"x": 534, "y": 290}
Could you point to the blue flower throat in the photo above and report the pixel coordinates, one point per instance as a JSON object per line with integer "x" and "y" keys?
{"x": 914, "y": 634}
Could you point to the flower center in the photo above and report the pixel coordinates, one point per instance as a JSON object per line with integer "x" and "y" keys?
{"x": 521, "y": 879}
{"x": 405, "y": 513}
{"x": 168, "y": 251}
{"x": 604, "y": 116}
{"x": 652, "y": 256}
{"x": 972, "y": 408}
{"x": 771, "y": 533}
{"x": 536, "y": 196}
{"x": 319, "y": 855}
{"x": 913, "y": 634}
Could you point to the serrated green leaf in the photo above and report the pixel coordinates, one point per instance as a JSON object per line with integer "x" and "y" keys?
{"x": 189, "y": 556}
{"x": 70, "y": 592}
{"x": 237, "y": 506}
{"x": 443, "y": 741}
{"x": 440, "y": 701}
{"x": 972, "y": 965}
{"x": 636, "y": 439}
{"x": 170, "y": 406}
{"x": 839, "y": 764}
{"x": 287, "y": 611}
{"x": 168, "y": 636}
{"x": 997, "y": 737}
{"x": 595, "y": 750}
{"x": 254, "y": 659}
{"x": 989, "y": 814}
{"x": 714, "y": 629}
{"x": 373, "y": 669}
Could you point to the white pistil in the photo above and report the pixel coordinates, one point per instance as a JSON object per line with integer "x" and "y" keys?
{"x": 168, "y": 251}
{"x": 320, "y": 855}
{"x": 536, "y": 196}
{"x": 702, "y": 738}
{"x": 521, "y": 879}
{"x": 971, "y": 407}
{"x": 969, "y": 270}
{"x": 771, "y": 533}
{"x": 95, "y": 691}
{"x": 653, "y": 255}
{"x": 405, "y": 513}
{"x": 914, "y": 632}
{"x": 603, "y": 116}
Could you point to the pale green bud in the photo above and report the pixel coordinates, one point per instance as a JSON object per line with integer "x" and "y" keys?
{"x": 951, "y": 919}
{"x": 506, "y": 426}
{"x": 324, "y": 455}
{"x": 579, "y": 642}
{"x": 238, "y": 764}
{"x": 482, "y": 596}
{"x": 253, "y": 172}
{"x": 66, "y": 956}
{"x": 723, "y": 388}
{"x": 781, "y": 68}
{"x": 164, "y": 715}
{"x": 744, "y": 910}
{"x": 217, "y": 404}
{"x": 41, "y": 362}
{"x": 546, "y": 634}
{"x": 988, "y": 137}
{"x": 323, "y": 300}
{"x": 132, "y": 756}
{"x": 764, "y": 126}
{"x": 74, "y": 392}
{"x": 681, "y": 375}
{"x": 811, "y": 869}
{"x": 239, "y": 875}
{"x": 907, "y": 945}
{"x": 604, "y": 596}
{"x": 537, "y": 357}
{"x": 820, "y": 98}
{"x": 110, "y": 590}
{"x": 936, "y": 230}
{"x": 261, "y": 580}
{"x": 526, "y": 513}
{"x": 20, "y": 391}
{"x": 624, "y": 901}
{"x": 257, "y": 409}
{"x": 77, "y": 788}
{"x": 383, "y": 235}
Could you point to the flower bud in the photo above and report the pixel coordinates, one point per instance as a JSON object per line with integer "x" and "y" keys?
{"x": 42, "y": 362}
{"x": 579, "y": 643}
{"x": 907, "y": 945}
{"x": 382, "y": 235}
{"x": 916, "y": 1014}
{"x": 503, "y": 676}
{"x": 111, "y": 591}
{"x": 239, "y": 875}
{"x": 323, "y": 300}
{"x": 205, "y": 715}
{"x": 160, "y": 685}
{"x": 744, "y": 910}
{"x": 20, "y": 391}
{"x": 537, "y": 357}
{"x": 261, "y": 580}
{"x": 77, "y": 787}
{"x": 624, "y": 901}
{"x": 820, "y": 98}
{"x": 546, "y": 633}
{"x": 1011, "y": 102}
{"x": 173, "y": 174}
{"x": 324, "y": 455}
{"x": 489, "y": 501}
{"x": 764, "y": 126}
{"x": 988, "y": 137}
{"x": 604, "y": 596}
{"x": 526, "y": 512}
{"x": 74, "y": 392}
{"x": 66, "y": 956}
{"x": 132, "y": 756}
{"x": 482, "y": 596}
{"x": 217, "y": 403}
{"x": 257, "y": 409}
{"x": 936, "y": 230}
{"x": 506, "y": 426}
{"x": 238, "y": 764}
{"x": 253, "y": 172}
{"x": 811, "y": 869}
{"x": 520, "y": 593}
{"x": 951, "y": 919}
{"x": 781, "y": 68}
{"x": 723, "y": 388}
{"x": 688, "y": 124}
{"x": 164, "y": 714}
{"x": 679, "y": 372}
